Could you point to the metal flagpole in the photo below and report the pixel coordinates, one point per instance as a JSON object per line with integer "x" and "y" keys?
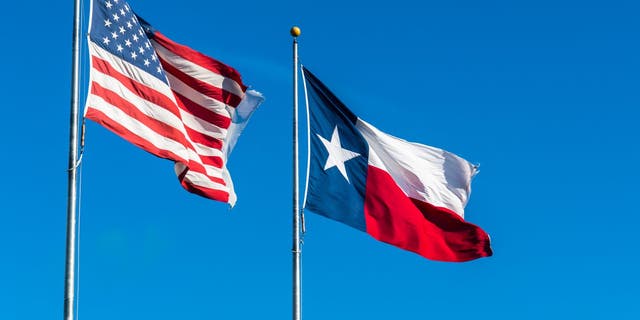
{"x": 295, "y": 32}
{"x": 69, "y": 278}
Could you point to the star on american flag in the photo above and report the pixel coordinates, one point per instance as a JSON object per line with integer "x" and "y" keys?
{"x": 120, "y": 30}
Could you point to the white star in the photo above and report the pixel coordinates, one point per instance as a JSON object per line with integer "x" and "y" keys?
{"x": 106, "y": 40}
{"x": 116, "y": 1}
{"x": 114, "y": 35}
{"x": 337, "y": 155}
{"x": 122, "y": 30}
{"x": 109, "y": 5}
{"x": 147, "y": 45}
{"x": 146, "y": 62}
{"x": 135, "y": 38}
{"x": 153, "y": 57}
{"x": 107, "y": 23}
{"x": 159, "y": 70}
{"x": 127, "y": 43}
{"x": 133, "y": 55}
{"x": 122, "y": 13}
{"x": 116, "y": 17}
{"x": 141, "y": 50}
{"x": 120, "y": 48}
{"x": 129, "y": 25}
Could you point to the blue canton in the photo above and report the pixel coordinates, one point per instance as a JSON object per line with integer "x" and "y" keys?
{"x": 339, "y": 158}
{"x": 115, "y": 28}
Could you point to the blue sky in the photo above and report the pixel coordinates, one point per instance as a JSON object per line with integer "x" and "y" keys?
{"x": 543, "y": 94}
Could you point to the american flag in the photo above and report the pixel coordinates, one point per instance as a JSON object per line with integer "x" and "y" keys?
{"x": 166, "y": 98}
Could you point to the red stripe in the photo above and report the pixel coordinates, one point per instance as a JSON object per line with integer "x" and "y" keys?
{"x": 130, "y": 109}
{"x": 101, "y": 118}
{"x": 432, "y": 232}
{"x": 199, "y": 168}
{"x": 139, "y": 89}
{"x": 202, "y": 87}
{"x": 200, "y": 59}
{"x": 204, "y": 139}
{"x": 212, "y": 161}
{"x": 214, "y": 194}
{"x": 203, "y": 113}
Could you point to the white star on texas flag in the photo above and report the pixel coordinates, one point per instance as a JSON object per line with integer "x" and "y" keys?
{"x": 337, "y": 155}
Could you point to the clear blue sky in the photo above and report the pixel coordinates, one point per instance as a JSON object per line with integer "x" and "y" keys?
{"x": 543, "y": 94}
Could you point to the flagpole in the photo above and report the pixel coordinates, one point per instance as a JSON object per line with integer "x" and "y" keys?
{"x": 69, "y": 279}
{"x": 295, "y": 32}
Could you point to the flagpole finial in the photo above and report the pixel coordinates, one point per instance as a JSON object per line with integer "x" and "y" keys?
{"x": 295, "y": 31}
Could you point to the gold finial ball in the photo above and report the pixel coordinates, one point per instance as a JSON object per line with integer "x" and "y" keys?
{"x": 295, "y": 31}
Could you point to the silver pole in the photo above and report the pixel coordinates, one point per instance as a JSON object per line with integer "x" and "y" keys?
{"x": 70, "y": 265}
{"x": 295, "y": 32}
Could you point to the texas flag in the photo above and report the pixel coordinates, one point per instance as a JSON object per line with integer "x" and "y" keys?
{"x": 406, "y": 194}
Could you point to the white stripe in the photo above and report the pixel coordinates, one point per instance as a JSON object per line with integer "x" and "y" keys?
{"x": 213, "y": 171}
{"x": 199, "y": 179}
{"x": 422, "y": 172}
{"x": 138, "y": 128}
{"x": 198, "y": 72}
{"x": 207, "y": 102}
{"x": 306, "y": 102}
{"x": 202, "y": 126}
{"x": 146, "y": 107}
{"x": 204, "y": 150}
